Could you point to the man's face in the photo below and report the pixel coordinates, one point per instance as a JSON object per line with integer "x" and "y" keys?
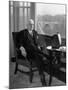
{"x": 31, "y": 25}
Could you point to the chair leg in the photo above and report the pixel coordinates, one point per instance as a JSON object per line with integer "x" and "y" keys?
{"x": 31, "y": 75}
{"x": 42, "y": 76}
{"x": 50, "y": 80}
{"x": 16, "y": 68}
{"x": 51, "y": 74}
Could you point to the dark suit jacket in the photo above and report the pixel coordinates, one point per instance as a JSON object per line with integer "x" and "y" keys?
{"x": 29, "y": 43}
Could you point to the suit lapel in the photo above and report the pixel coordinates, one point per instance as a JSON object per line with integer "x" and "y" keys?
{"x": 30, "y": 37}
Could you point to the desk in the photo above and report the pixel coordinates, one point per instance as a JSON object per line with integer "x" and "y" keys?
{"x": 56, "y": 54}
{"x": 60, "y": 49}
{"x": 55, "y": 60}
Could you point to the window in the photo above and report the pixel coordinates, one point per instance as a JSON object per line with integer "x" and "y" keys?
{"x": 50, "y": 18}
{"x": 20, "y": 13}
{"x": 24, "y": 14}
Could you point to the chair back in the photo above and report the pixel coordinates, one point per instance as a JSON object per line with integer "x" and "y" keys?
{"x": 15, "y": 39}
{"x": 55, "y": 42}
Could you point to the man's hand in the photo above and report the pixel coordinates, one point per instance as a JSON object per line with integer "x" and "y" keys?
{"x": 23, "y": 51}
{"x": 39, "y": 47}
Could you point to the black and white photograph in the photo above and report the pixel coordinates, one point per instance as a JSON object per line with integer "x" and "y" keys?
{"x": 37, "y": 44}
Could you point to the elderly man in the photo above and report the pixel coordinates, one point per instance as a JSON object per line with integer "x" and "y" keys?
{"x": 31, "y": 49}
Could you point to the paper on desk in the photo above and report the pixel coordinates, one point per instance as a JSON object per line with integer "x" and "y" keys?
{"x": 49, "y": 47}
{"x": 62, "y": 48}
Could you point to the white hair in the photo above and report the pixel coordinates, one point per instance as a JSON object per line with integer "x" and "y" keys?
{"x": 31, "y": 21}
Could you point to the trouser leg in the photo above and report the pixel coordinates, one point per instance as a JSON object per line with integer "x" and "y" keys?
{"x": 40, "y": 64}
{"x": 42, "y": 77}
{"x": 31, "y": 73}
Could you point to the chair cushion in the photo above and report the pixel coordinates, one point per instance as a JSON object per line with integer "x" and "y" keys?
{"x": 23, "y": 62}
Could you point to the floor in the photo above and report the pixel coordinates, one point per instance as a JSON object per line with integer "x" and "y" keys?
{"x": 21, "y": 80}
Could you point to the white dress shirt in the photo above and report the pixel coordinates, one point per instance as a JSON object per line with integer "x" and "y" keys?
{"x": 31, "y": 33}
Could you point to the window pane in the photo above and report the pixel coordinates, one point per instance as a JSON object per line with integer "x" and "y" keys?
{"x": 21, "y": 23}
{"x": 50, "y": 18}
{"x": 21, "y": 11}
{"x": 28, "y": 13}
{"x": 25, "y": 15}
{"x": 11, "y": 10}
{"x": 11, "y": 2}
{"x": 25, "y": 3}
{"x": 21, "y": 3}
{"x": 16, "y": 3}
{"x": 28, "y": 3}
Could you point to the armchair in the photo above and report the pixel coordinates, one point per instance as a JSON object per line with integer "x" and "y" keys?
{"x": 21, "y": 60}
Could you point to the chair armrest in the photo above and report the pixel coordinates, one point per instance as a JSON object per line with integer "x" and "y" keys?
{"x": 18, "y": 52}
